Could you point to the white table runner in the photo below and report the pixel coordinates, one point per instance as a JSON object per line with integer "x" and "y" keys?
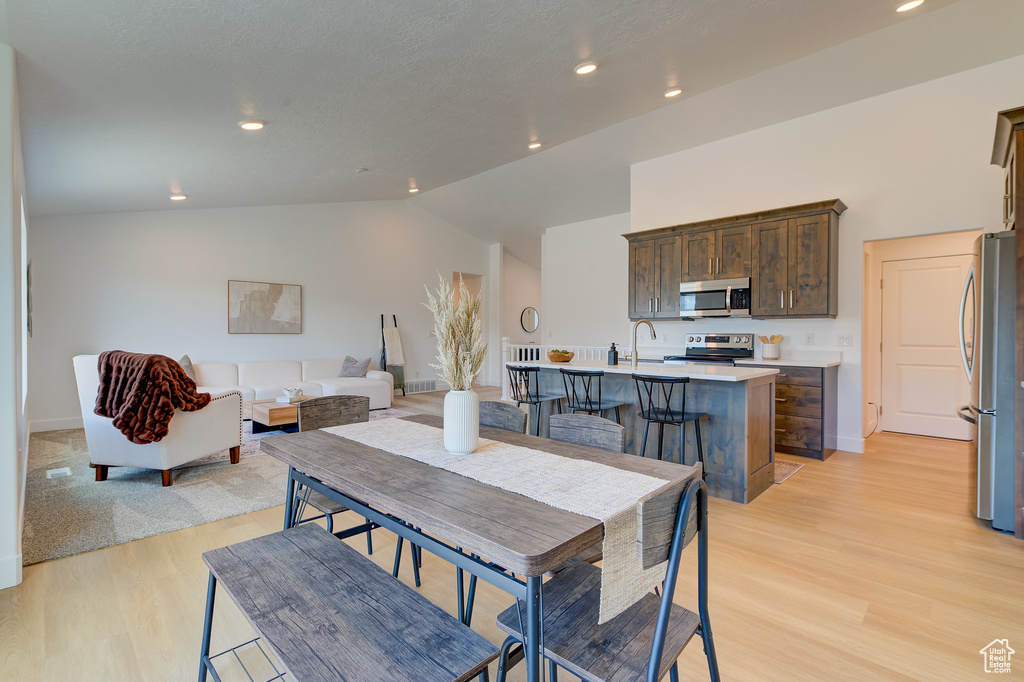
{"x": 586, "y": 488}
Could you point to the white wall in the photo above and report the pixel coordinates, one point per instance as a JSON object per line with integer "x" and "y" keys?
{"x": 13, "y": 441}
{"x": 520, "y": 288}
{"x": 910, "y": 162}
{"x": 584, "y": 275}
{"x": 157, "y": 283}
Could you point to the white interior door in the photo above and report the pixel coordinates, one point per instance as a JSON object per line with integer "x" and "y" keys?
{"x": 923, "y": 378}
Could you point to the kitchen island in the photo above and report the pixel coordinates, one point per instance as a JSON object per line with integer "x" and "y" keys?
{"x": 738, "y": 434}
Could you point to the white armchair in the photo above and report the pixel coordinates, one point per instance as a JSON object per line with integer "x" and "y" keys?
{"x": 192, "y": 435}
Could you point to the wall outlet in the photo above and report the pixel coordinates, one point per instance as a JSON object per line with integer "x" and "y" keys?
{"x": 809, "y": 339}
{"x": 844, "y": 340}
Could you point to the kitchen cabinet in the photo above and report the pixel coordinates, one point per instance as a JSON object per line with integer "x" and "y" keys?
{"x": 716, "y": 254}
{"x": 790, "y": 254}
{"x": 795, "y": 264}
{"x": 698, "y": 256}
{"x": 806, "y": 408}
{"x": 654, "y": 278}
{"x": 732, "y": 252}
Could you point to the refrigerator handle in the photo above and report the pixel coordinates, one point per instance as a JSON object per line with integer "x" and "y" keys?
{"x": 965, "y": 414}
{"x": 963, "y": 310}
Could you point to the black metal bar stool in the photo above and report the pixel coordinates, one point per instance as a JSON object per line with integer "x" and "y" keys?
{"x": 583, "y": 392}
{"x": 525, "y": 381}
{"x": 659, "y": 402}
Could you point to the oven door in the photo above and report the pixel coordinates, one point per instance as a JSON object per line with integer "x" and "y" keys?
{"x": 704, "y": 299}
{"x": 712, "y": 298}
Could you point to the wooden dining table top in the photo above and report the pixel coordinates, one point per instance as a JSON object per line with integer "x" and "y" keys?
{"x": 523, "y": 535}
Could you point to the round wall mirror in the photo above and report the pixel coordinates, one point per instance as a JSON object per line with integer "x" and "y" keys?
{"x": 529, "y": 320}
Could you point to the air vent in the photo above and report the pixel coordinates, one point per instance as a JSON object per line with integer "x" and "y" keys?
{"x": 58, "y": 473}
{"x": 424, "y": 386}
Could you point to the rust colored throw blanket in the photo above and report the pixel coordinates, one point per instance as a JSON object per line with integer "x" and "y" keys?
{"x": 140, "y": 393}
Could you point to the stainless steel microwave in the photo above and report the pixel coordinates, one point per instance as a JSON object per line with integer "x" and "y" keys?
{"x": 715, "y": 298}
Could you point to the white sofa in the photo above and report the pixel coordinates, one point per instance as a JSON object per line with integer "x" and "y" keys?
{"x": 191, "y": 435}
{"x": 267, "y": 380}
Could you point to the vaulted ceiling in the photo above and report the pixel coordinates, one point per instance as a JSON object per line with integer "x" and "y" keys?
{"x": 124, "y": 102}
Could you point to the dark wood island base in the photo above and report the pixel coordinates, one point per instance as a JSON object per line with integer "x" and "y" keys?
{"x": 739, "y": 436}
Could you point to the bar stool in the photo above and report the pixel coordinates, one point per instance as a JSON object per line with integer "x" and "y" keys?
{"x": 525, "y": 383}
{"x": 583, "y": 393}
{"x": 656, "y": 402}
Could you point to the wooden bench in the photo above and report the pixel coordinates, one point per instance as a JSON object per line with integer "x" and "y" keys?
{"x": 329, "y": 613}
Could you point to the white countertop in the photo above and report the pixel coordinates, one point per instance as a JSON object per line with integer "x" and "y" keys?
{"x": 695, "y": 372}
{"x": 790, "y": 363}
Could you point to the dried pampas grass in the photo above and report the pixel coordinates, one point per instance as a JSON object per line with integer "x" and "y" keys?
{"x": 460, "y": 348}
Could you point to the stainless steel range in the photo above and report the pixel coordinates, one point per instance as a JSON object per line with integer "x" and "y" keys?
{"x": 714, "y": 349}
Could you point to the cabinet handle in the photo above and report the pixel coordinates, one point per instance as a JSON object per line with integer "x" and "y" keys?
{"x": 650, "y": 305}
{"x": 718, "y": 265}
{"x": 780, "y": 376}
{"x": 780, "y": 430}
{"x": 780, "y": 400}
{"x": 782, "y": 300}
{"x": 657, "y": 305}
{"x": 710, "y": 269}
{"x": 790, "y": 299}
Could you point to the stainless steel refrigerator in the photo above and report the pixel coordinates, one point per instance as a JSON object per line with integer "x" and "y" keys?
{"x": 987, "y": 330}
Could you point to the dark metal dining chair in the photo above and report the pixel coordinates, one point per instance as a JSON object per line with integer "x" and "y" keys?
{"x": 642, "y": 642}
{"x": 338, "y": 410}
{"x": 583, "y": 393}
{"x": 659, "y": 401}
{"x": 502, "y": 415}
{"x": 525, "y": 386}
{"x": 596, "y": 432}
{"x": 319, "y": 413}
{"x": 588, "y": 429}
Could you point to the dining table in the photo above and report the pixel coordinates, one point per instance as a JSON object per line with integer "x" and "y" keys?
{"x": 504, "y": 538}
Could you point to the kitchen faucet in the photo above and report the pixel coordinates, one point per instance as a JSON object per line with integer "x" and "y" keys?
{"x": 654, "y": 335}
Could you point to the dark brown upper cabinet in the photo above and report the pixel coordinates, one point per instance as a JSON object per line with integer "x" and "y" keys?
{"x": 698, "y": 257}
{"x": 790, "y": 255}
{"x": 795, "y": 273}
{"x": 654, "y": 277}
{"x": 716, "y": 254}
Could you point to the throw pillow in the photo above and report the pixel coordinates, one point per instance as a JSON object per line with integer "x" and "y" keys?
{"x": 354, "y": 368}
{"x": 186, "y": 364}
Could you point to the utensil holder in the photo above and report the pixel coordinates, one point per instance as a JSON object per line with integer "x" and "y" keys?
{"x": 769, "y": 351}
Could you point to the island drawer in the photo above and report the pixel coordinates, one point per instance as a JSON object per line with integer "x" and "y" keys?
{"x": 803, "y": 401}
{"x": 798, "y": 432}
{"x": 798, "y": 376}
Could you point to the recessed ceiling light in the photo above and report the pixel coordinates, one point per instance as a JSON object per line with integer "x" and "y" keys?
{"x": 178, "y": 197}
{"x": 534, "y": 145}
{"x": 909, "y": 5}
{"x": 250, "y": 125}
{"x": 413, "y": 190}
{"x": 673, "y": 92}
{"x": 585, "y": 68}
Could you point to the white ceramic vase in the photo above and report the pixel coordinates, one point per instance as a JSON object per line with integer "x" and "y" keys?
{"x": 461, "y": 422}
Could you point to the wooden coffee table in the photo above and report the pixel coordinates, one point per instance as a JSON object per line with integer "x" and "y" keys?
{"x": 270, "y": 415}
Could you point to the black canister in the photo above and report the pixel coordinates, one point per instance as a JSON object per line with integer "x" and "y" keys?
{"x": 613, "y": 355}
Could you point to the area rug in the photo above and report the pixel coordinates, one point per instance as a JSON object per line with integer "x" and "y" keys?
{"x": 784, "y": 470}
{"x": 74, "y": 514}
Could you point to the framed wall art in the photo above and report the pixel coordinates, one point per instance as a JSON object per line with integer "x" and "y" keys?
{"x": 264, "y": 308}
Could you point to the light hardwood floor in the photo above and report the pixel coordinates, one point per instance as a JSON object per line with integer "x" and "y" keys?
{"x": 864, "y": 567}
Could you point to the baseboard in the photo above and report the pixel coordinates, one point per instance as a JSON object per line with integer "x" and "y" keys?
{"x": 851, "y": 445}
{"x": 10, "y": 571}
{"x": 54, "y": 424}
